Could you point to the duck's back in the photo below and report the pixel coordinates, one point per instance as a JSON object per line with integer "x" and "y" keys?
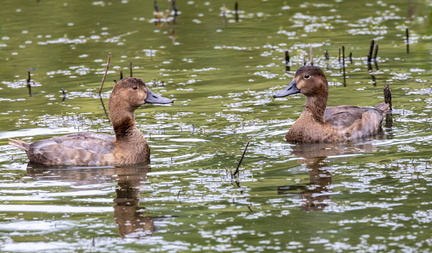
{"x": 74, "y": 149}
{"x": 355, "y": 121}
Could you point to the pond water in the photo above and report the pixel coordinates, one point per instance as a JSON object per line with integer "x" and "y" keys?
{"x": 368, "y": 196}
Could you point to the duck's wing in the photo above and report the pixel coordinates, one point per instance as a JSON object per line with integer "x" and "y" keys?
{"x": 74, "y": 149}
{"x": 355, "y": 121}
{"x": 344, "y": 115}
{"x": 93, "y": 142}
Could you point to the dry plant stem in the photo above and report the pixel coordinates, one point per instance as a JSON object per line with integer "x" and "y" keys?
{"x": 311, "y": 55}
{"x": 371, "y": 50}
{"x": 343, "y": 57}
{"x": 375, "y": 52}
{"x": 287, "y": 58}
{"x": 407, "y": 40}
{"x": 29, "y": 82}
{"x": 241, "y": 159}
{"x": 236, "y": 11}
{"x": 105, "y": 74}
{"x": 388, "y": 96}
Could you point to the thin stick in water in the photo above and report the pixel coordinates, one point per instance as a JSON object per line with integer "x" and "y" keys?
{"x": 29, "y": 82}
{"x": 174, "y": 6}
{"x": 155, "y": 6}
{"x": 287, "y": 60}
{"x": 388, "y": 96}
{"x": 343, "y": 65}
{"x": 130, "y": 69}
{"x": 375, "y": 52}
{"x": 371, "y": 50}
{"x": 236, "y": 11}
{"x": 287, "y": 57}
{"x": 104, "y": 108}
{"x": 311, "y": 55}
{"x": 343, "y": 57}
{"x": 28, "y": 76}
{"x": 407, "y": 40}
{"x": 241, "y": 159}
{"x": 105, "y": 74}
{"x": 64, "y": 94}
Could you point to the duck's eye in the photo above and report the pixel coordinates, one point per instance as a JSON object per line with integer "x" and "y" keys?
{"x": 306, "y": 76}
{"x": 134, "y": 87}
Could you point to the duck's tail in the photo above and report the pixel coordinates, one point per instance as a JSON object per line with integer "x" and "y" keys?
{"x": 19, "y": 144}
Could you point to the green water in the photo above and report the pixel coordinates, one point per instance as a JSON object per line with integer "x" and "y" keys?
{"x": 368, "y": 196}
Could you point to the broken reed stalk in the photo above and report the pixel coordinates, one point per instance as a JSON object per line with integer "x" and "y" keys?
{"x": 375, "y": 54}
{"x": 407, "y": 40}
{"x": 130, "y": 69}
{"x": 343, "y": 65}
{"x": 64, "y": 94}
{"x": 105, "y": 74}
{"x": 388, "y": 100}
{"x": 28, "y": 77}
{"x": 174, "y": 6}
{"x": 326, "y": 55}
{"x": 311, "y": 55}
{"x": 387, "y": 96}
{"x": 339, "y": 56}
{"x": 236, "y": 12}
{"x": 371, "y": 50}
{"x": 241, "y": 159}
{"x": 29, "y": 82}
{"x": 350, "y": 57}
{"x": 343, "y": 57}
{"x": 104, "y": 108}
{"x": 287, "y": 58}
{"x": 155, "y": 6}
{"x": 121, "y": 74}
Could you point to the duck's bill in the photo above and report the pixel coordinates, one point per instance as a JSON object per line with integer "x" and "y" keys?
{"x": 153, "y": 98}
{"x": 289, "y": 90}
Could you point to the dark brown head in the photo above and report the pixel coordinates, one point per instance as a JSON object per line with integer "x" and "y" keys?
{"x": 128, "y": 95}
{"x": 308, "y": 80}
{"x": 131, "y": 93}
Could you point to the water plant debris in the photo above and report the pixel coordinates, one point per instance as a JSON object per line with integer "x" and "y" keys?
{"x": 236, "y": 173}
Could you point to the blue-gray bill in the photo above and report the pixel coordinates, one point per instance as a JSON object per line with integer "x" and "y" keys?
{"x": 289, "y": 90}
{"x": 153, "y": 98}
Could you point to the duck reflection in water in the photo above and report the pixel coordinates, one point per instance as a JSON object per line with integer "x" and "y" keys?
{"x": 131, "y": 219}
{"x": 315, "y": 195}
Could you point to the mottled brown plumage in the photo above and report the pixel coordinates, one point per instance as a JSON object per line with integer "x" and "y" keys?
{"x": 128, "y": 146}
{"x": 318, "y": 123}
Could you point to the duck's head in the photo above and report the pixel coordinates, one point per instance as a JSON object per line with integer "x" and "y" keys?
{"x": 308, "y": 80}
{"x": 131, "y": 93}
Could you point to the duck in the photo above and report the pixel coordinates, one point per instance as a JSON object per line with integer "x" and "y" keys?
{"x": 127, "y": 147}
{"x": 321, "y": 124}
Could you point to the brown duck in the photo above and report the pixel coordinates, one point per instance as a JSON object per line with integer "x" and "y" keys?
{"x": 127, "y": 147}
{"x": 319, "y": 123}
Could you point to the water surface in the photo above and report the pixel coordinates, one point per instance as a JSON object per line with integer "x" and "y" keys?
{"x": 372, "y": 195}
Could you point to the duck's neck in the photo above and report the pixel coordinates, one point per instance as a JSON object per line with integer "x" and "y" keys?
{"x": 315, "y": 107}
{"x": 124, "y": 127}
